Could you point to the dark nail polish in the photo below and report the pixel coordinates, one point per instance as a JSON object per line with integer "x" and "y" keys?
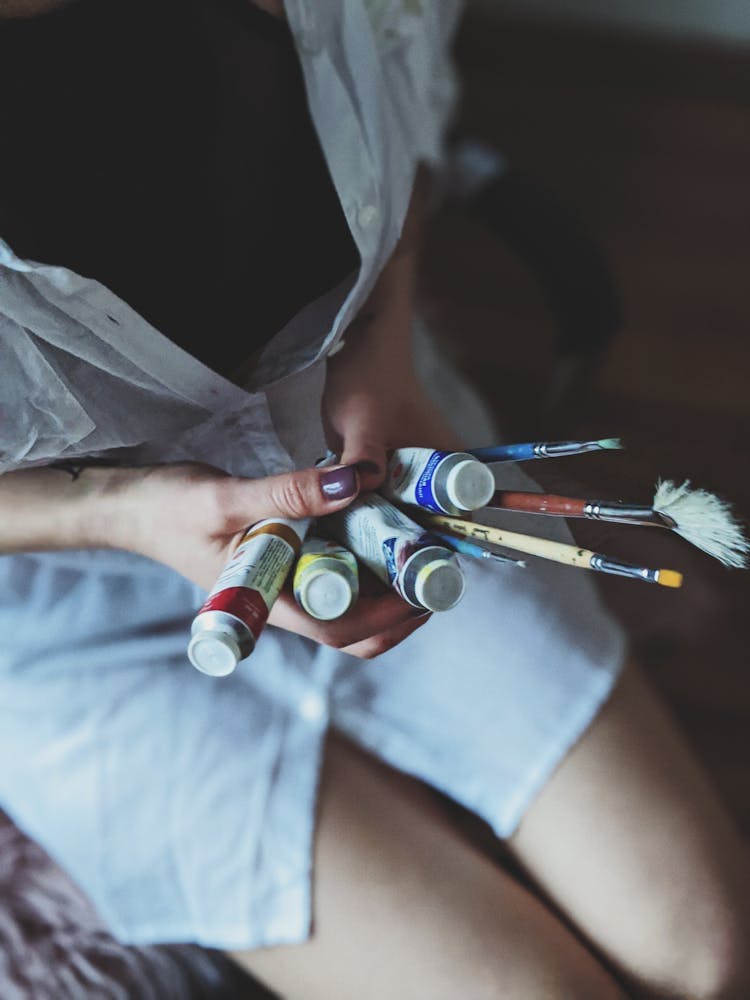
{"x": 367, "y": 468}
{"x": 338, "y": 484}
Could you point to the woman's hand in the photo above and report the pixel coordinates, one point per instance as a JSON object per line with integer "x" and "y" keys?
{"x": 191, "y": 516}
{"x": 373, "y": 400}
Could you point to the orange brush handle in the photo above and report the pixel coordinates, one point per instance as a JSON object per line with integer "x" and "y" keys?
{"x": 538, "y": 503}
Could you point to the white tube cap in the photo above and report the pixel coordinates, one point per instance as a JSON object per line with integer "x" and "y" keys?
{"x": 439, "y": 585}
{"x": 214, "y": 653}
{"x": 470, "y": 485}
{"x": 326, "y": 595}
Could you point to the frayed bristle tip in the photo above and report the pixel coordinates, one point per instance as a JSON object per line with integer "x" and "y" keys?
{"x": 704, "y": 520}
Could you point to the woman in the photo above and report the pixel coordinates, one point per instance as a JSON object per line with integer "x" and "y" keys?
{"x": 218, "y": 193}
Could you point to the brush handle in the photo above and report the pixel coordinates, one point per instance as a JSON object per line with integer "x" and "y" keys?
{"x": 504, "y": 453}
{"x": 569, "y": 555}
{"x": 561, "y": 552}
{"x": 463, "y": 545}
{"x": 538, "y": 503}
{"x": 467, "y": 548}
{"x": 596, "y": 510}
{"x": 542, "y": 449}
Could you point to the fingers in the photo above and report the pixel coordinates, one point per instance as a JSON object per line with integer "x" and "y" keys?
{"x": 374, "y": 624}
{"x": 376, "y": 645}
{"x": 300, "y": 494}
{"x": 364, "y": 446}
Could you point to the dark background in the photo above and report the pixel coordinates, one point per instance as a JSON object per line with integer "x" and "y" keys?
{"x": 647, "y": 140}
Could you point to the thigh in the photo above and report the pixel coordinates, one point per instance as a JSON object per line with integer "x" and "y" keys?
{"x": 630, "y": 841}
{"x": 404, "y": 907}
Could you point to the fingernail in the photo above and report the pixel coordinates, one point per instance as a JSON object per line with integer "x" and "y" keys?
{"x": 338, "y": 484}
{"x": 366, "y": 467}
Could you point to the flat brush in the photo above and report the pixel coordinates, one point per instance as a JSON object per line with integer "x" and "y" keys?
{"x": 570, "y": 555}
{"x": 542, "y": 449}
{"x": 698, "y": 516}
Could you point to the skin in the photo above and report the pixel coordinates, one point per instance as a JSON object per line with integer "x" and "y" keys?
{"x": 28, "y": 8}
{"x": 637, "y": 882}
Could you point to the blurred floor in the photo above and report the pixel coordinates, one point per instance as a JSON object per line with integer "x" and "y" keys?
{"x": 650, "y": 143}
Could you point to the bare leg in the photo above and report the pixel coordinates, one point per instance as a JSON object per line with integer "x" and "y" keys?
{"x": 631, "y": 843}
{"x": 405, "y": 907}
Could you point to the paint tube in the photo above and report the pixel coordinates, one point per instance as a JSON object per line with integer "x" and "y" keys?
{"x": 399, "y": 552}
{"x": 227, "y": 627}
{"x": 447, "y": 482}
{"x": 326, "y": 579}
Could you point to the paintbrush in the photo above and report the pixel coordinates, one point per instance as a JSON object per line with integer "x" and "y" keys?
{"x": 467, "y": 548}
{"x": 570, "y": 555}
{"x": 542, "y": 449}
{"x": 700, "y": 517}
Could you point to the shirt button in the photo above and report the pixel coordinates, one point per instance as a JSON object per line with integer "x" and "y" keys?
{"x": 368, "y": 215}
{"x": 312, "y": 707}
{"x": 338, "y": 346}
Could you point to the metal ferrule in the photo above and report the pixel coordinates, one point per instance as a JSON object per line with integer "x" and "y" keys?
{"x": 222, "y": 621}
{"x": 556, "y": 449}
{"x": 605, "y": 565}
{"x": 627, "y": 513}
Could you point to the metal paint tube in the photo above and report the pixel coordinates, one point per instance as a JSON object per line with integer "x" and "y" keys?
{"x": 227, "y": 627}
{"x": 326, "y": 579}
{"x": 399, "y": 552}
{"x": 447, "y": 482}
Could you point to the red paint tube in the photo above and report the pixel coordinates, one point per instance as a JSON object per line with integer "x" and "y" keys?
{"x": 227, "y": 627}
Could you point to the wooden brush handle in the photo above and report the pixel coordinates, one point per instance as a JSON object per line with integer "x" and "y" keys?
{"x": 561, "y": 552}
{"x": 538, "y": 503}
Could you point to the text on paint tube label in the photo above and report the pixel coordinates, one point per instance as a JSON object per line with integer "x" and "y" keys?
{"x": 410, "y": 476}
{"x": 379, "y": 534}
{"x": 260, "y": 564}
{"x": 317, "y": 548}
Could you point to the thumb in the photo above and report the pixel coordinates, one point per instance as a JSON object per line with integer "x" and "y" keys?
{"x": 303, "y": 493}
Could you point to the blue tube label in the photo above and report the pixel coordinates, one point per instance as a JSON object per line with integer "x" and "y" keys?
{"x": 410, "y": 477}
{"x": 389, "y": 552}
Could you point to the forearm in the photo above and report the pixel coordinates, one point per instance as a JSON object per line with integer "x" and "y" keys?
{"x": 391, "y": 302}
{"x": 47, "y": 508}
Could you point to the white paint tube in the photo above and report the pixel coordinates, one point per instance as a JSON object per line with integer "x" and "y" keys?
{"x": 446, "y": 482}
{"x": 326, "y": 579}
{"x": 399, "y": 552}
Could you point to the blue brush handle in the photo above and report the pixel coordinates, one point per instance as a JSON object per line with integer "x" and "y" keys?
{"x": 504, "y": 453}
{"x": 462, "y": 545}
{"x": 466, "y": 548}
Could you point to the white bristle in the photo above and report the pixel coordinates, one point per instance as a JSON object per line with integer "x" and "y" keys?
{"x": 704, "y": 520}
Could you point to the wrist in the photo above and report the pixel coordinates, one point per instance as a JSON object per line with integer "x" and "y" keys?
{"x": 51, "y": 508}
{"x": 100, "y": 505}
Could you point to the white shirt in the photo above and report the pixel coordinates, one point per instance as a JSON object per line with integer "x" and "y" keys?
{"x": 82, "y": 373}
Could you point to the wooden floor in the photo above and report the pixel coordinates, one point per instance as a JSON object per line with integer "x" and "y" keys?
{"x": 650, "y": 143}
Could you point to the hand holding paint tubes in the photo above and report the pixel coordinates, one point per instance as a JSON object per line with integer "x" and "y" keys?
{"x": 399, "y": 551}
{"x": 238, "y": 605}
{"x": 249, "y": 590}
